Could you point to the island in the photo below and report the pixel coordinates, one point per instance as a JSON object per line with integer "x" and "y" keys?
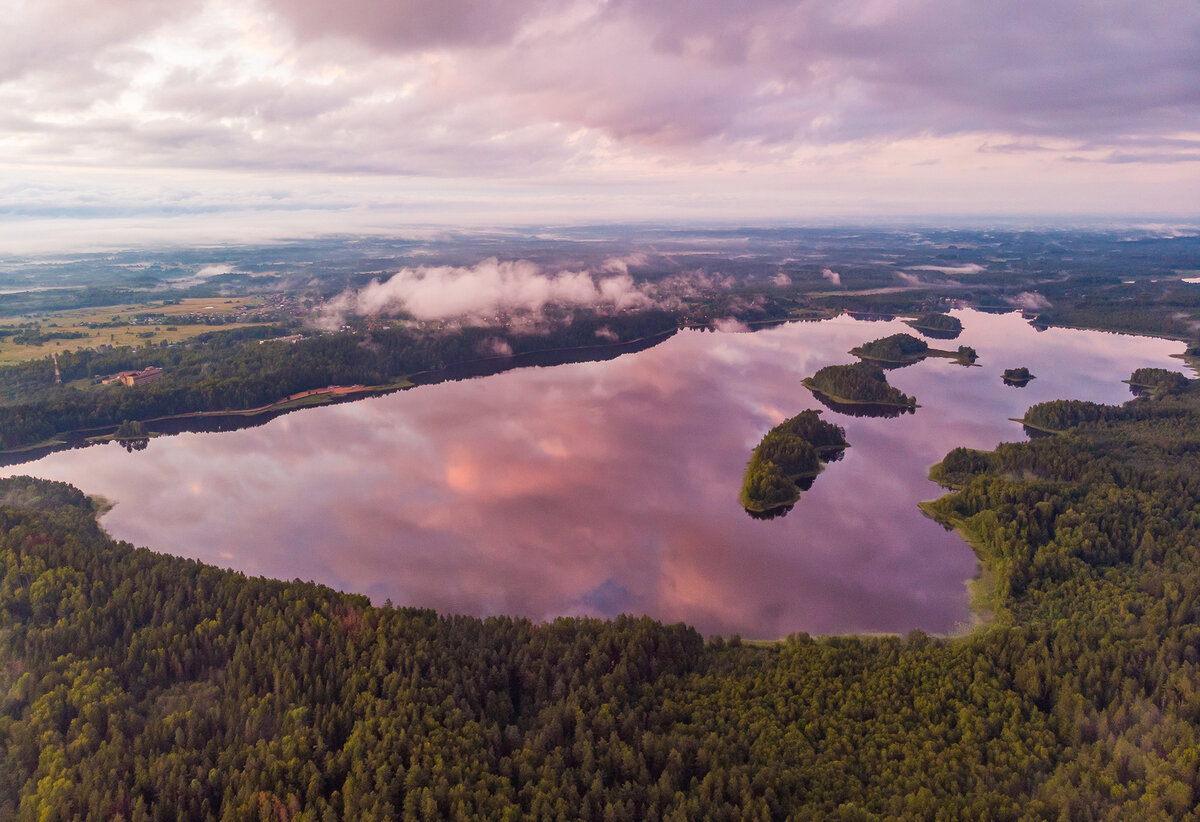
{"x": 788, "y": 454}
{"x": 857, "y": 383}
{"x": 937, "y": 326}
{"x": 1017, "y": 377}
{"x": 1156, "y": 381}
{"x": 905, "y": 349}
{"x": 1056, "y": 416}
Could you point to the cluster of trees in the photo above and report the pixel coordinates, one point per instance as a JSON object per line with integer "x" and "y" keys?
{"x": 860, "y": 382}
{"x": 1058, "y": 415}
{"x": 147, "y": 687}
{"x": 225, "y": 371}
{"x": 33, "y": 334}
{"x": 1019, "y": 375}
{"x": 791, "y": 450}
{"x": 1158, "y": 380}
{"x": 897, "y": 348}
{"x": 937, "y": 325}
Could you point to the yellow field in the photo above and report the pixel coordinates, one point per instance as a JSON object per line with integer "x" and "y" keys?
{"x": 128, "y": 334}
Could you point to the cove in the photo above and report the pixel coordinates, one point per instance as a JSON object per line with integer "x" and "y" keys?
{"x": 597, "y": 488}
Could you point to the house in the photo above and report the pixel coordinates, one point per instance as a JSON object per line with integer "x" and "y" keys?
{"x": 143, "y": 377}
{"x": 131, "y": 378}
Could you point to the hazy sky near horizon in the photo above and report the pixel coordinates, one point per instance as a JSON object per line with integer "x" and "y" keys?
{"x": 160, "y": 118}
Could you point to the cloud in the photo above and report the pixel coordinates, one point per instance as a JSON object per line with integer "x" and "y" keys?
{"x": 832, "y": 276}
{"x": 1029, "y": 300}
{"x": 687, "y": 108}
{"x": 911, "y": 279}
{"x": 451, "y": 87}
{"x": 730, "y": 325}
{"x": 484, "y": 291}
{"x": 966, "y": 268}
{"x": 781, "y": 279}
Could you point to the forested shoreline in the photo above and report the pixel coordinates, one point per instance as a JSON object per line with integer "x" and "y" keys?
{"x": 141, "y": 686}
{"x": 246, "y": 368}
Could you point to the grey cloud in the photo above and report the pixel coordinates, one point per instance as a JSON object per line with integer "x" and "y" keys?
{"x": 557, "y": 86}
{"x": 403, "y": 25}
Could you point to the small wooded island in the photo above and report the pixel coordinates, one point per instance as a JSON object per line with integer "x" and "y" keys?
{"x": 858, "y": 383}
{"x": 905, "y": 349}
{"x": 1018, "y": 377}
{"x": 1156, "y": 381}
{"x": 793, "y": 450}
{"x": 938, "y": 326}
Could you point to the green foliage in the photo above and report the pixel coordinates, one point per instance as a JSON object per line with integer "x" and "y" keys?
{"x": 788, "y": 451}
{"x": 228, "y": 371}
{"x": 898, "y": 348}
{"x": 862, "y": 382}
{"x": 1020, "y": 374}
{"x": 1058, "y": 415}
{"x": 1158, "y": 380}
{"x": 142, "y": 686}
{"x": 130, "y": 429}
{"x": 934, "y": 321}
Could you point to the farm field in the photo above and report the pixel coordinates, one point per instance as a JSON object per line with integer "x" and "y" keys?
{"x": 170, "y": 322}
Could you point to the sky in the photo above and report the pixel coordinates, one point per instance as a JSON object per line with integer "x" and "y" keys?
{"x": 246, "y": 119}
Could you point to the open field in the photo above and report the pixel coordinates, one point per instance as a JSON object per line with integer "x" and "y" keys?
{"x": 223, "y": 313}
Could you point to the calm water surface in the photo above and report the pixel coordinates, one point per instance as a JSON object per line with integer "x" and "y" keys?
{"x": 602, "y": 488}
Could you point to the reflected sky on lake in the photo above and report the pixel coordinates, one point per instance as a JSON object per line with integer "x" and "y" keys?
{"x": 601, "y": 488}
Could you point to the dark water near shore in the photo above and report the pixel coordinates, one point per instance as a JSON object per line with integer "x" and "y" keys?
{"x": 606, "y": 487}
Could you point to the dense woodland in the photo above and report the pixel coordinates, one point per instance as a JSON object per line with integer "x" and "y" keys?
{"x": 241, "y": 369}
{"x": 896, "y": 348}
{"x": 937, "y": 325}
{"x": 862, "y": 382}
{"x": 1158, "y": 380}
{"x": 141, "y": 686}
{"x": 791, "y": 450}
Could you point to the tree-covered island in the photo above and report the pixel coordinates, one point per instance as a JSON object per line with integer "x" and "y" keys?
{"x": 1157, "y": 381}
{"x": 936, "y": 325}
{"x": 1017, "y": 376}
{"x": 793, "y": 450}
{"x": 857, "y": 383}
{"x": 905, "y": 349}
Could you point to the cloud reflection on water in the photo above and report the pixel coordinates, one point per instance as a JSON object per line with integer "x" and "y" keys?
{"x": 610, "y": 487}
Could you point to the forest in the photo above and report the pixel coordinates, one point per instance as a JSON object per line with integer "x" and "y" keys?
{"x": 140, "y": 686}
{"x": 896, "y": 348}
{"x": 791, "y": 450}
{"x": 860, "y": 382}
{"x": 936, "y": 325}
{"x": 244, "y": 368}
{"x": 905, "y": 349}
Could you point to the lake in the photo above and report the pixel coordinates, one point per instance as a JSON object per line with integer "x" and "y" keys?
{"x": 599, "y": 488}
